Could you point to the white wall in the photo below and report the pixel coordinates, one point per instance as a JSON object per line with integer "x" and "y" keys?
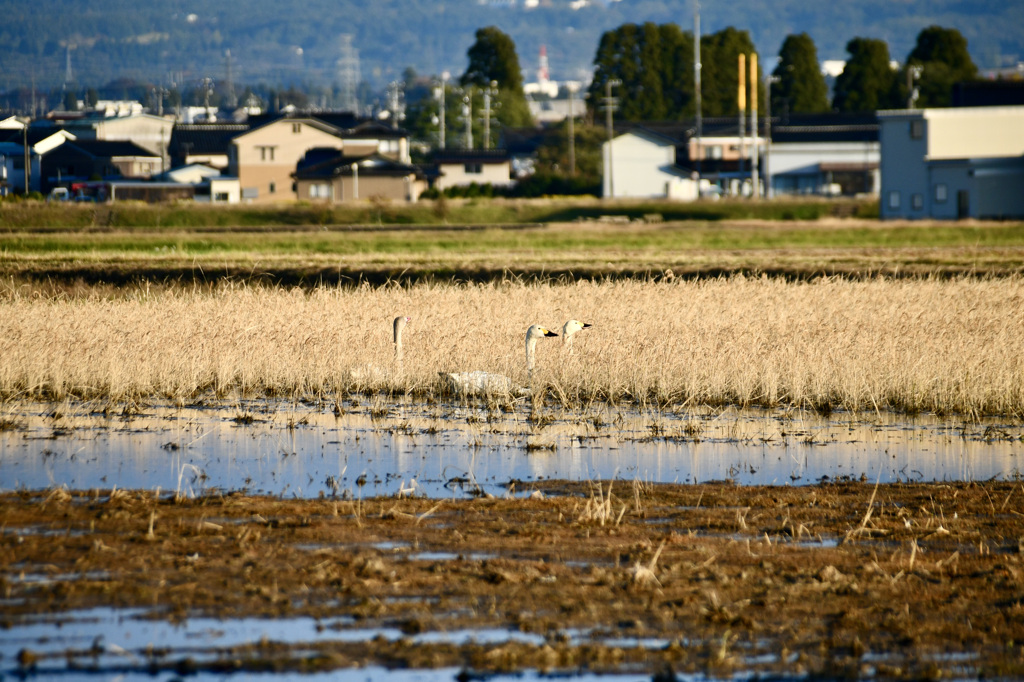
{"x": 639, "y": 167}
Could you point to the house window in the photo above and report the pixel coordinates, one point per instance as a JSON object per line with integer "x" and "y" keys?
{"x": 319, "y": 190}
{"x": 273, "y": 187}
{"x": 266, "y": 153}
{"x": 221, "y": 197}
{"x": 941, "y": 193}
{"x": 713, "y": 152}
{"x": 916, "y": 129}
{"x": 296, "y": 127}
{"x": 917, "y": 201}
{"x": 474, "y": 168}
{"x": 894, "y": 200}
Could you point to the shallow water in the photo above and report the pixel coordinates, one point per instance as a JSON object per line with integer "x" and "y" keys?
{"x": 287, "y": 449}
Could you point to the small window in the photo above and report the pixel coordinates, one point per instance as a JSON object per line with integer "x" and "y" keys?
{"x": 273, "y": 187}
{"x": 941, "y": 193}
{"x": 319, "y": 190}
{"x": 894, "y": 200}
{"x": 917, "y": 201}
{"x": 266, "y": 153}
{"x": 221, "y": 197}
{"x": 474, "y": 168}
{"x": 296, "y": 127}
{"x": 916, "y": 129}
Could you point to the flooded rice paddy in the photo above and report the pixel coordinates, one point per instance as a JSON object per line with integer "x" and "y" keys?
{"x": 371, "y": 539}
{"x": 371, "y": 448}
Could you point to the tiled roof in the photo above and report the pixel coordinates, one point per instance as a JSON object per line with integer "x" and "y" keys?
{"x": 208, "y": 138}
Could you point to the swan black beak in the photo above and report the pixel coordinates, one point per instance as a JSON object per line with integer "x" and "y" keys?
{"x": 549, "y": 333}
{"x": 586, "y": 325}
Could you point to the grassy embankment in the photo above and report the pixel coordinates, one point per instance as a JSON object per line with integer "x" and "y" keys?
{"x": 949, "y": 346}
{"x": 484, "y": 241}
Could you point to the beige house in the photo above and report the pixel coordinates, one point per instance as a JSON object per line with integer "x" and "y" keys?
{"x": 264, "y": 158}
{"x": 325, "y": 175}
{"x": 481, "y": 166}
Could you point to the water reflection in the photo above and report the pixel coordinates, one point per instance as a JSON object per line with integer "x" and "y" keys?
{"x": 288, "y": 449}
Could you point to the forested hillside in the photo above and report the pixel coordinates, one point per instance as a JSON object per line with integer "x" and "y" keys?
{"x": 291, "y": 43}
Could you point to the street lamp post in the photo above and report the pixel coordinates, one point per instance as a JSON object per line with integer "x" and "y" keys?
{"x": 355, "y": 180}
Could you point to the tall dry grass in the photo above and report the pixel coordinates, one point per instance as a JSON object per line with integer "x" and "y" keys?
{"x": 917, "y": 345}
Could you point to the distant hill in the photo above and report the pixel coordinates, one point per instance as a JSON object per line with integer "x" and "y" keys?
{"x": 282, "y": 43}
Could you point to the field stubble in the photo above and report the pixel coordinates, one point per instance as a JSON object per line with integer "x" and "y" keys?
{"x": 945, "y": 346}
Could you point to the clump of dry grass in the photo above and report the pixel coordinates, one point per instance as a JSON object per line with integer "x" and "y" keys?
{"x": 949, "y": 346}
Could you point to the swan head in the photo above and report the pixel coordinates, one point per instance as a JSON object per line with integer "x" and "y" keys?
{"x": 573, "y": 326}
{"x": 536, "y": 331}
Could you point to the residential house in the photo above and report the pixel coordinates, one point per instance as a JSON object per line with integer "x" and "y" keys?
{"x": 952, "y": 163}
{"x": 203, "y": 143}
{"x": 643, "y": 163}
{"x": 83, "y": 160}
{"x": 266, "y": 157}
{"x": 332, "y": 176}
{"x": 40, "y": 142}
{"x": 462, "y": 167}
{"x": 152, "y": 133}
{"x": 210, "y": 185}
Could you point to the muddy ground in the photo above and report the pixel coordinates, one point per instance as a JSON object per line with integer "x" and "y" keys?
{"x": 840, "y": 579}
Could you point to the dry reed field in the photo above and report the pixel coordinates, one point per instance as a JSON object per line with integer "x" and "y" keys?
{"x": 949, "y": 346}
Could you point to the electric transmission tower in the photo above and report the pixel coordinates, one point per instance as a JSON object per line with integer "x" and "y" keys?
{"x": 348, "y": 75}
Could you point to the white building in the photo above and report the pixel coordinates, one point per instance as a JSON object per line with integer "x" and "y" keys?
{"x": 952, "y": 163}
{"x": 641, "y": 164}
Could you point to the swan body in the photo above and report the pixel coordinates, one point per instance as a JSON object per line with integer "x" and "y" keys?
{"x": 479, "y": 382}
{"x": 568, "y": 329}
{"x": 491, "y": 382}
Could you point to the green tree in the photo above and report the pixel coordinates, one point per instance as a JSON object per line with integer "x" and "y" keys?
{"x": 553, "y": 152}
{"x": 720, "y": 70}
{"x": 868, "y": 82}
{"x": 654, "y": 68}
{"x": 70, "y": 101}
{"x": 493, "y": 59}
{"x": 801, "y": 88}
{"x": 940, "y": 58}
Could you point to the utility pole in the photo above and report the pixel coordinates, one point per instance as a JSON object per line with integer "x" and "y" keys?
{"x": 913, "y": 73}
{"x": 768, "y": 139}
{"x": 696, "y": 87}
{"x": 28, "y": 159}
{"x": 610, "y": 104}
{"x": 487, "y": 113}
{"x": 467, "y": 111}
{"x": 441, "y": 96}
{"x": 755, "y": 180}
{"x": 230, "y": 100}
{"x": 572, "y": 131}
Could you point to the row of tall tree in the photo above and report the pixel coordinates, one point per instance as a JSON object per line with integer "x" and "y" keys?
{"x": 652, "y": 67}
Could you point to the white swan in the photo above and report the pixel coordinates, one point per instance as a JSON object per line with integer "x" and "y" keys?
{"x": 371, "y": 373}
{"x": 490, "y": 382}
{"x": 570, "y": 328}
{"x": 400, "y": 323}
